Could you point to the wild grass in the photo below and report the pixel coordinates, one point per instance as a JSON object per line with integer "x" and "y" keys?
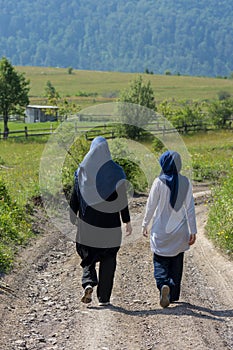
{"x": 20, "y": 168}
{"x": 15, "y": 228}
{"x": 212, "y": 155}
{"x": 19, "y": 125}
{"x": 20, "y": 158}
{"x": 220, "y": 220}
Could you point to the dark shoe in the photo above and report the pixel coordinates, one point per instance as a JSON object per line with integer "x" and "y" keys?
{"x": 164, "y": 296}
{"x": 87, "y": 296}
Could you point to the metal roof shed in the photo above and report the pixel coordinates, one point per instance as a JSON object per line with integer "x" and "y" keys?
{"x": 39, "y": 113}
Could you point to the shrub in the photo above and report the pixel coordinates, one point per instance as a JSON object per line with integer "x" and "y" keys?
{"x": 205, "y": 169}
{"x": 158, "y": 145}
{"x": 130, "y": 164}
{"x": 223, "y": 95}
{"x": 70, "y": 70}
{"x": 76, "y": 154}
{"x": 1, "y": 161}
{"x": 133, "y": 173}
{"x": 120, "y": 155}
{"x": 4, "y": 196}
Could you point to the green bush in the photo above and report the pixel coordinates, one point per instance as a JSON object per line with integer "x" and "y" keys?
{"x": 158, "y": 145}
{"x": 205, "y": 169}
{"x": 130, "y": 164}
{"x": 4, "y": 196}
{"x": 1, "y": 161}
{"x": 120, "y": 155}
{"x": 133, "y": 174}
{"x": 205, "y": 172}
{"x": 6, "y": 258}
{"x": 76, "y": 154}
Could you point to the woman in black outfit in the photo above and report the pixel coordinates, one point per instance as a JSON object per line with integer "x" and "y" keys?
{"x": 99, "y": 198}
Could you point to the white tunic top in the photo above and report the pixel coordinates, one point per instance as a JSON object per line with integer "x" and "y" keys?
{"x": 170, "y": 229}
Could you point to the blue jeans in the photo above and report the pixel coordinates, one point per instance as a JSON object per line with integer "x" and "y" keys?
{"x": 168, "y": 270}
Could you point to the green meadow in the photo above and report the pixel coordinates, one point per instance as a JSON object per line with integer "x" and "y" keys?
{"x": 107, "y": 84}
{"x": 19, "y": 171}
{"x": 211, "y": 152}
{"x": 20, "y": 159}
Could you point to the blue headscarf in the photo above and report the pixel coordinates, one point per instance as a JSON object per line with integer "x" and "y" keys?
{"x": 171, "y": 164}
{"x": 97, "y": 175}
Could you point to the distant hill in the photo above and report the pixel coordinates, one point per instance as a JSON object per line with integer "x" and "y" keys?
{"x": 184, "y": 37}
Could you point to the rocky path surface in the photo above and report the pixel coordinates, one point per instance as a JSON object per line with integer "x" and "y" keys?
{"x": 45, "y": 311}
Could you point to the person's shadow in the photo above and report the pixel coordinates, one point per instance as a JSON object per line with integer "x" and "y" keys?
{"x": 180, "y": 309}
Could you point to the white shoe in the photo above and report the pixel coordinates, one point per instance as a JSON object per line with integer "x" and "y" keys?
{"x": 165, "y": 296}
{"x": 104, "y": 304}
{"x": 87, "y": 296}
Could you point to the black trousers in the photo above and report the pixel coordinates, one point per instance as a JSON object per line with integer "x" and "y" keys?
{"x": 107, "y": 266}
{"x": 168, "y": 270}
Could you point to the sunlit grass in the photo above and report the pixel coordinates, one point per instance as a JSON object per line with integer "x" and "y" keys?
{"x": 220, "y": 220}
{"x": 212, "y": 161}
{"x": 21, "y": 168}
{"x": 211, "y": 154}
{"x": 165, "y": 87}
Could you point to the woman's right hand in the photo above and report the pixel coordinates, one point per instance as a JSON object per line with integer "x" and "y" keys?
{"x": 128, "y": 228}
{"x": 192, "y": 239}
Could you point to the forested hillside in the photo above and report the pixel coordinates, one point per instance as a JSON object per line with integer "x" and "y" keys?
{"x": 179, "y": 36}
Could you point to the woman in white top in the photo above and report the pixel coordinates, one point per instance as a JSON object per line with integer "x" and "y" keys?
{"x": 173, "y": 230}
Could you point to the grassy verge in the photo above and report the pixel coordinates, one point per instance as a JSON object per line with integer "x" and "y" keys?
{"x": 220, "y": 220}
{"x": 212, "y": 155}
{"x": 15, "y": 228}
{"x": 19, "y": 181}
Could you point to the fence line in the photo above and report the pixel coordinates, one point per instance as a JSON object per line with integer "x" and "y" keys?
{"x": 25, "y": 133}
{"x": 108, "y": 130}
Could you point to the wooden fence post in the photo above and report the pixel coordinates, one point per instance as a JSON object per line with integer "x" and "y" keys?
{"x": 164, "y": 130}
{"x": 26, "y": 131}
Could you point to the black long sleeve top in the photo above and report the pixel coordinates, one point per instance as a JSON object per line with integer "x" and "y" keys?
{"x": 98, "y": 218}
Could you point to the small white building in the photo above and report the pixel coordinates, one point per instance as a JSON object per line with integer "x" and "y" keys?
{"x": 37, "y": 113}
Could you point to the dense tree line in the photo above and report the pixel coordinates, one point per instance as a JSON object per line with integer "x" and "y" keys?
{"x": 180, "y": 36}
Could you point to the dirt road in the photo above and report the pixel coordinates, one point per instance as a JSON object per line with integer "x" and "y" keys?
{"x": 45, "y": 311}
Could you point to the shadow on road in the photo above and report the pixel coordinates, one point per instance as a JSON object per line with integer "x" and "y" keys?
{"x": 179, "y": 309}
